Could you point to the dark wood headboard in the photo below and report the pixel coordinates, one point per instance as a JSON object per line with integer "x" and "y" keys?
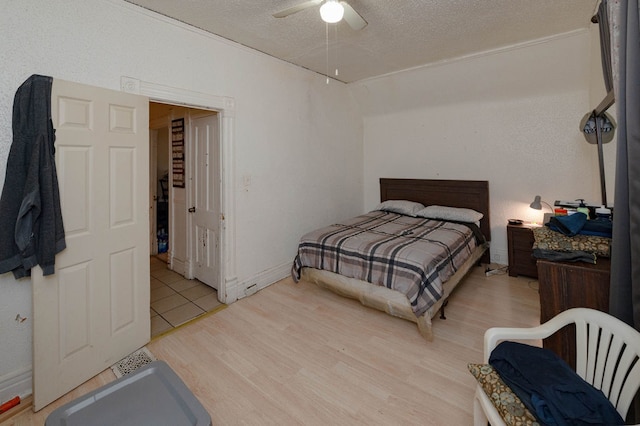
{"x": 470, "y": 194}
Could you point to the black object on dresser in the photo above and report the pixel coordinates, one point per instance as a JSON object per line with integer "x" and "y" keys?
{"x": 565, "y": 285}
{"x": 520, "y": 244}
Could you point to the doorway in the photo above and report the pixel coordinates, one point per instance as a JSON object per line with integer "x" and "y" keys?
{"x": 228, "y": 291}
{"x": 184, "y": 211}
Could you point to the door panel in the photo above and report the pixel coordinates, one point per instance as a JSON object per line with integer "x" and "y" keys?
{"x": 206, "y": 199}
{"x": 95, "y": 309}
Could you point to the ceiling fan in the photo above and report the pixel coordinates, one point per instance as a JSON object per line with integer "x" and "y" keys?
{"x": 331, "y": 11}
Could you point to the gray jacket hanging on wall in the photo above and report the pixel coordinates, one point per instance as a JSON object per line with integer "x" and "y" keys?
{"x": 31, "y": 229}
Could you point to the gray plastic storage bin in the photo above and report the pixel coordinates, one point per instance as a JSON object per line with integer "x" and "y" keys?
{"x": 151, "y": 395}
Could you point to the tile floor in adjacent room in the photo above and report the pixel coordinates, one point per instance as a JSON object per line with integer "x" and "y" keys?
{"x": 175, "y": 299}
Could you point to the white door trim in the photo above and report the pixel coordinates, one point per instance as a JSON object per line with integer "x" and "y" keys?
{"x": 225, "y": 106}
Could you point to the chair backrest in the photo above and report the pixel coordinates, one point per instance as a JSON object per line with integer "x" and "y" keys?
{"x": 607, "y": 354}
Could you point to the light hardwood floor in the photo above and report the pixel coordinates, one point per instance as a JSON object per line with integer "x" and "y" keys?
{"x": 297, "y": 354}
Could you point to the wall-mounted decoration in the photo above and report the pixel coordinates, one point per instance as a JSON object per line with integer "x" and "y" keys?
{"x": 177, "y": 152}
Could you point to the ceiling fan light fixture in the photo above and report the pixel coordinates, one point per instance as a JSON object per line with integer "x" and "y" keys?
{"x": 331, "y": 11}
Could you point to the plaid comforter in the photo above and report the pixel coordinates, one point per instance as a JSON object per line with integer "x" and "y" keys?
{"x": 412, "y": 255}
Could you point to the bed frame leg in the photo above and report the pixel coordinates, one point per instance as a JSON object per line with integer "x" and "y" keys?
{"x": 425, "y": 327}
{"x": 445, "y": 303}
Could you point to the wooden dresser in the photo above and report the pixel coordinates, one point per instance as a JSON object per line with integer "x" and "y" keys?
{"x": 565, "y": 285}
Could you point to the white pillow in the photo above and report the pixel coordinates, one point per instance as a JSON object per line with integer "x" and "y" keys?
{"x": 405, "y": 207}
{"x": 450, "y": 213}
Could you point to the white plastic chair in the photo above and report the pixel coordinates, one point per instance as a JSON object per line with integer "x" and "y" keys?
{"x": 606, "y": 353}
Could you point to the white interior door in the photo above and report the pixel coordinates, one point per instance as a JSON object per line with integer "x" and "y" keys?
{"x": 95, "y": 309}
{"x": 206, "y": 199}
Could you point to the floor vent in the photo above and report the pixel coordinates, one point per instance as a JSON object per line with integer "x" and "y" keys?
{"x": 132, "y": 362}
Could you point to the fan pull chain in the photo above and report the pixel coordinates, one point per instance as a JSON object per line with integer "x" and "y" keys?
{"x": 326, "y": 36}
{"x": 337, "y": 52}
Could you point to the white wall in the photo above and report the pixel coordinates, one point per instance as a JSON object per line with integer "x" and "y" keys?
{"x": 287, "y": 119}
{"x": 510, "y": 117}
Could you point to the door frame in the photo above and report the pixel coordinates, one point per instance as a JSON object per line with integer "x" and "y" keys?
{"x": 225, "y": 106}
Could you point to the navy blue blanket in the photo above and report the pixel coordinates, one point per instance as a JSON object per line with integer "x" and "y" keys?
{"x": 550, "y": 389}
{"x": 578, "y": 223}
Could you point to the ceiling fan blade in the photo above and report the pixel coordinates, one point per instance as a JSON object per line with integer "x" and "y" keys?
{"x": 353, "y": 18}
{"x": 297, "y": 8}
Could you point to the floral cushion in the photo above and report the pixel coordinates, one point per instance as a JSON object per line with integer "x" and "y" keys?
{"x": 511, "y": 409}
{"x": 548, "y": 239}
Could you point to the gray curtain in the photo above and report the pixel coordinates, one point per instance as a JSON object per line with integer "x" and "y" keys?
{"x": 624, "y": 301}
{"x": 605, "y": 44}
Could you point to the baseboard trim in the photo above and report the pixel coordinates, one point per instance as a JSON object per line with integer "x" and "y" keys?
{"x": 180, "y": 267}
{"x": 15, "y": 384}
{"x": 257, "y": 282}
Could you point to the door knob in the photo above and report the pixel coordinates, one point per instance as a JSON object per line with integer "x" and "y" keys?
{"x": 192, "y": 210}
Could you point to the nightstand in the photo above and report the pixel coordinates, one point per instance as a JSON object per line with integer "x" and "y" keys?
{"x": 520, "y": 242}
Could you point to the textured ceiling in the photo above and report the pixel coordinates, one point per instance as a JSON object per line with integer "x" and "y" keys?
{"x": 401, "y": 34}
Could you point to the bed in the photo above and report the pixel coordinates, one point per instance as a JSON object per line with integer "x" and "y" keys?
{"x": 409, "y": 288}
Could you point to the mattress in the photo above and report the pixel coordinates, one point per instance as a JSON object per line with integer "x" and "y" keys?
{"x": 413, "y": 256}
